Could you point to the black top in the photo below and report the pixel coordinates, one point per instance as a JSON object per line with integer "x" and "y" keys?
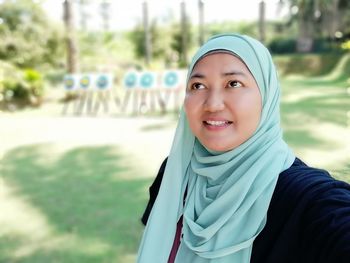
{"x": 308, "y": 218}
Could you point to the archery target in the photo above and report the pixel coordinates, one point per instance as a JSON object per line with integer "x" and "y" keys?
{"x": 70, "y": 82}
{"x": 85, "y": 81}
{"x": 172, "y": 79}
{"x": 131, "y": 79}
{"x": 148, "y": 80}
{"x": 103, "y": 81}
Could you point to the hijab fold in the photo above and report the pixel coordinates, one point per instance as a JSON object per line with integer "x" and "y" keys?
{"x": 228, "y": 193}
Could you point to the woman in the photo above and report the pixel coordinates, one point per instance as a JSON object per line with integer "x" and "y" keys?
{"x": 231, "y": 189}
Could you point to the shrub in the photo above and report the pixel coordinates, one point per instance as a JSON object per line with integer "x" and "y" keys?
{"x": 282, "y": 45}
{"x": 20, "y": 87}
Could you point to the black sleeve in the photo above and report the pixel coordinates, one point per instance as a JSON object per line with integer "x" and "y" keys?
{"x": 326, "y": 233}
{"x": 308, "y": 220}
{"x": 153, "y": 192}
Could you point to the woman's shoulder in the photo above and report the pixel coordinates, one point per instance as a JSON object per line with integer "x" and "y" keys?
{"x": 301, "y": 179}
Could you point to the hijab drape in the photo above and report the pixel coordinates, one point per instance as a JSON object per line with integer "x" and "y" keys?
{"x": 228, "y": 193}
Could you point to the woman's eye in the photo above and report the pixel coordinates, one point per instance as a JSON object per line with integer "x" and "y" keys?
{"x": 234, "y": 84}
{"x": 197, "y": 86}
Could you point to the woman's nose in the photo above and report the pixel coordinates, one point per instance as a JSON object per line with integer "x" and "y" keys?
{"x": 214, "y": 101}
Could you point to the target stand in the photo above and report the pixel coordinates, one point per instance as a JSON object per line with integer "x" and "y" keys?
{"x": 172, "y": 83}
{"x": 103, "y": 84}
{"x": 70, "y": 83}
{"x": 130, "y": 84}
{"x": 148, "y": 83}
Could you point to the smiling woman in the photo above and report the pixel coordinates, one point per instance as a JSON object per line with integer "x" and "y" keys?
{"x": 222, "y": 81}
{"x": 231, "y": 189}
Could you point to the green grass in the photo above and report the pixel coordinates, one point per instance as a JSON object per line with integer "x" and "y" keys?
{"x": 306, "y": 64}
{"x": 90, "y": 198}
{"x": 314, "y": 116}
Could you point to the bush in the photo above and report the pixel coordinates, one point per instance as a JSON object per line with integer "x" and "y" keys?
{"x": 282, "y": 46}
{"x": 20, "y": 87}
{"x": 35, "y": 81}
{"x": 288, "y": 46}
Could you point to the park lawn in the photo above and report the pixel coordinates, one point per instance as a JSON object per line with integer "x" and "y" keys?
{"x": 92, "y": 213}
{"x": 316, "y": 122}
{"x": 83, "y": 207}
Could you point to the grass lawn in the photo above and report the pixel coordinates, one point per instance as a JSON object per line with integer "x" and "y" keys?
{"x": 315, "y": 119}
{"x": 81, "y": 202}
{"x": 80, "y": 208}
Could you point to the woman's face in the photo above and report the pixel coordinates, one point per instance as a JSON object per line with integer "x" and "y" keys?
{"x": 223, "y": 102}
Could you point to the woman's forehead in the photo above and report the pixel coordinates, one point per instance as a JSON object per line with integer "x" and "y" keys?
{"x": 217, "y": 51}
{"x": 220, "y": 62}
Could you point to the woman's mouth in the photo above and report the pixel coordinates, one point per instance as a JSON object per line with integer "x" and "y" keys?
{"x": 216, "y": 125}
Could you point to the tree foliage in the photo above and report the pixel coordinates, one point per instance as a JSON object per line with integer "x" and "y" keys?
{"x": 28, "y": 38}
{"x": 137, "y": 37}
{"x": 324, "y": 16}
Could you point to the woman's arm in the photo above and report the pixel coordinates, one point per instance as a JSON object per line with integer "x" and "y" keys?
{"x": 326, "y": 232}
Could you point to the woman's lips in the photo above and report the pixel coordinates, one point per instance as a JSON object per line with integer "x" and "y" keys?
{"x": 215, "y": 125}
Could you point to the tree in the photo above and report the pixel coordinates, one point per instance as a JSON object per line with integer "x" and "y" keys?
{"x": 262, "y": 25}
{"x": 182, "y": 39}
{"x": 327, "y": 16}
{"x": 72, "y": 47}
{"x": 158, "y": 40}
{"x": 201, "y": 22}
{"x": 184, "y": 34}
{"x": 147, "y": 34}
{"x": 28, "y": 37}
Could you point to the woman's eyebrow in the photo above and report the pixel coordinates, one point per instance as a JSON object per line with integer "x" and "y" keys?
{"x": 225, "y": 74}
{"x": 230, "y": 73}
{"x": 197, "y": 75}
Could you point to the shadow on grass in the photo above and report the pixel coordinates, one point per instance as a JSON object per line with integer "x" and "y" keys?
{"x": 330, "y": 105}
{"x": 301, "y": 138}
{"x": 92, "y": 193}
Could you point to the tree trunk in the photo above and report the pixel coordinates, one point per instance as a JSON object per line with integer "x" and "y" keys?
{"x": 201, "y": 22}
{"x": 305, "y": 30}
{"x": 305, "y": 39}
{"x": 72, "y": 48}
{"x": 148, "y": 44}
{"x": 184, "y": 32}
{"x": 262, "y": 25}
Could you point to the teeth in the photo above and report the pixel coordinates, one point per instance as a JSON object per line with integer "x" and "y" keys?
{"x": 216, "y": 123}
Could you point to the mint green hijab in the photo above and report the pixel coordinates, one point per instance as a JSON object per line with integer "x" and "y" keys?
{"x": 228, "y": 193}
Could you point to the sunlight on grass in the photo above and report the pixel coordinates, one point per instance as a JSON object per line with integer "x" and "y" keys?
{"x": 25, "y": 222}
{"x": 314, "y": 119}
{"x": 331, "y": 151}
{"x": 74, "y": 207}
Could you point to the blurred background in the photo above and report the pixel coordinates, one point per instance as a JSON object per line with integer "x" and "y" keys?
{"x": 90, "y": 92}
